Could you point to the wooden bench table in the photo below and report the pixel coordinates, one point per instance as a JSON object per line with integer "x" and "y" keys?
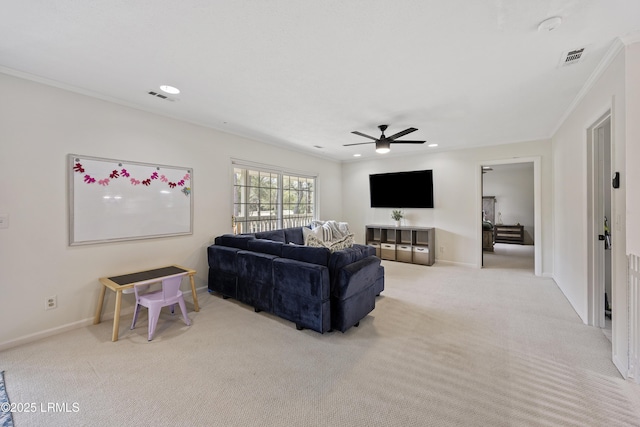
{"x": 128, "y": 281}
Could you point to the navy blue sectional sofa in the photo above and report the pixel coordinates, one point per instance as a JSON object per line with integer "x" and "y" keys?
{"x": 311, "y": 286}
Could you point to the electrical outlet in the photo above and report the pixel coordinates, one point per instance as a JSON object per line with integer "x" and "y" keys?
{"x": 51, "y": 303}
{"x": 441, "y": 250}
{"x": 4, "y": 220}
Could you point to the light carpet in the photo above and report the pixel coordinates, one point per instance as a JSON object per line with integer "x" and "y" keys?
{"x": 445, "y": 346}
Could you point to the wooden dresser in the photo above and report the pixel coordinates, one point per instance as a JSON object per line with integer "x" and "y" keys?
{"x": 509, "y": 234}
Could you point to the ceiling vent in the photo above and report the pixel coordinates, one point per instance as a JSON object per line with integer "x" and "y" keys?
{"x": 161, "y": 96}
{"x": 572, "y": 57}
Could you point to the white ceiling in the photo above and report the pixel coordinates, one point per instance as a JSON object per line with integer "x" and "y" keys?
{"x": 302, "y": 73}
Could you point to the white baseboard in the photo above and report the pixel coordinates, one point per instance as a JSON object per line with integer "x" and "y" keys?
{"x": 46, "y": 333}
{"x": 461, "y": 264}
{"x": 106, "y": 316}
{"x": 624, "y": 370}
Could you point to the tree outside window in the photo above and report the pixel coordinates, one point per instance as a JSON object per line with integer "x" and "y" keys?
{"x": 266, "y": 200}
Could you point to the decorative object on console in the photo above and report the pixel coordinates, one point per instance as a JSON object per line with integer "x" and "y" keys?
{"x": 397, "y": 215}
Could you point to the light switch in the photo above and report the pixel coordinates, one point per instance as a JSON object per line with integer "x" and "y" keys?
{"x": 4, "y": 220}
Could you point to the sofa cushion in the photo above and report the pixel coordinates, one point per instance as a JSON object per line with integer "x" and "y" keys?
{"x": 294, "y": 235}
{"x": 265, "y": 246}
{"x": 234, "y": 241}
{"x": 300, "y": 278}
{"x": 255, "y": 267}
{"x": 275, "y": 235}
{"x": 319, "y": 256}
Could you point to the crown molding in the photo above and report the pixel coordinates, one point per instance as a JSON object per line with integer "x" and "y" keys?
{"x": 615, "y": 48}
{"x": 631, "y": 38}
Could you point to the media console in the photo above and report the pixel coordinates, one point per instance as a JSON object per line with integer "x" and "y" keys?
{"x": 415, "y": 245}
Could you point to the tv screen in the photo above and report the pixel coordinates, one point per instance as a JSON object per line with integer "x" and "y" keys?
{"x": 402, "y": 189}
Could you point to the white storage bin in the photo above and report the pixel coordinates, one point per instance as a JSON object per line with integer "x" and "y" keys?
{"x": 421, "y": 255}
{"x": 388, "y": 251}
{"x": 403, "y": 253}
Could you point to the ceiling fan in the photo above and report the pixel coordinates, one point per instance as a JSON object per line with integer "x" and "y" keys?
{"x": 383, "y": 143}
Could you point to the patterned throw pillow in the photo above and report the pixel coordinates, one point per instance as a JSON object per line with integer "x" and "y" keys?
{"x": 331, "y": 230}
{"x": 327, "y": 235}
{"x": 343, "y": 243}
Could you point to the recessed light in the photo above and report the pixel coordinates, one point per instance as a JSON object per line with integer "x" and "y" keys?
{"x": 170, "y": 89}
{"x": 357, "y": 155}
{"x": 432, "y": 145}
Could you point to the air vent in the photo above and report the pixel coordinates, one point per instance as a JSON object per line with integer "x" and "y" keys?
{"x": 572, "y": 56}
{"x": 161, "y": 96}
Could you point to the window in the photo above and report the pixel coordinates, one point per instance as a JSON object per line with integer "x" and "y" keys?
{"x": 266, "y": 199}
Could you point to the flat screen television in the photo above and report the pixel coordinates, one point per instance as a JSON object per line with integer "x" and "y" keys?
{"x": 412, "y": 189}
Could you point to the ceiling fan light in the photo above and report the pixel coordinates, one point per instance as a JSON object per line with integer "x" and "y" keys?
{"x": 382, "y": 146}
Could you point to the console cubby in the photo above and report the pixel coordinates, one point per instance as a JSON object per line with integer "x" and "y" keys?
{"x": 405, "y": 244}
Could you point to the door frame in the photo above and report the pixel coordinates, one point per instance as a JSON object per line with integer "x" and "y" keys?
{"x": 595, "y": 227}
{"x": 537, "y": 208}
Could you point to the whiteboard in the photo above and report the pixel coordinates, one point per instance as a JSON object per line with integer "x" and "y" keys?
{"x": 115, "y": 200}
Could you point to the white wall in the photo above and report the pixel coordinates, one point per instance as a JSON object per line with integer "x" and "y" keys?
{"x": 631, "y": 180}
{"x": 39, "y": 126}
{"x": 569, "y": 146}
{"x": 512, "y": 186}
{"x": 456, "y": 177}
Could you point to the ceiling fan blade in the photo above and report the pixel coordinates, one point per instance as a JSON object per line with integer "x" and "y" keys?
{"x": 365, "y": 135}
{"x": 358, "y": 143}
{"x": 407, "y": 142}
{"x": 404, "y": 132}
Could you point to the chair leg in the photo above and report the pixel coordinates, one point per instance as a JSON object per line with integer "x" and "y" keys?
{"x": 154, "y": 314}
{"x": 183, "y": 309}
{"x": 135, "y": 316}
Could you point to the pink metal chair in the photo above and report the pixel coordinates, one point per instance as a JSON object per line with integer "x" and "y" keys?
{"x": 169, "y": 295}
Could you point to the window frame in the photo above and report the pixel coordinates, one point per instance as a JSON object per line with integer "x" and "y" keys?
{"x": 270, "y": 222}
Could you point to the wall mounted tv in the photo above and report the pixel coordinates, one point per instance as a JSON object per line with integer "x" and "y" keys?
{"x": 402, "y": 189}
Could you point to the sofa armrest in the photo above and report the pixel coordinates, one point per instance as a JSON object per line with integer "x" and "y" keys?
{"x": 355, "y": 277}
{"x": 222, "y": 258}
{"x": 365, "y": 249}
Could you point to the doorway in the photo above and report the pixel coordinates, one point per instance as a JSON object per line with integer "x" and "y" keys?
{"x": 599, "y": 220}
{"x": 537, "y": 210}
{"x": 508, "y": 216}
